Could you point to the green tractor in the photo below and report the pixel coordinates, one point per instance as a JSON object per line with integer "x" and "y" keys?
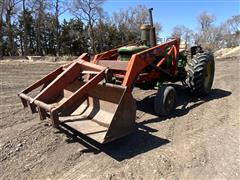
{"x": 195, "y": 68}
{"x": 95, "y": 97}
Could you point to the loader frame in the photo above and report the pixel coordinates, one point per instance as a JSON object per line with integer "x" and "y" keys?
{"x": 131, "y": 71}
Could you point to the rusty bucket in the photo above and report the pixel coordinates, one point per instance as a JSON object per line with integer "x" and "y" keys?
{"x": 107, "y": 113}
{"x": 99, "y": 110}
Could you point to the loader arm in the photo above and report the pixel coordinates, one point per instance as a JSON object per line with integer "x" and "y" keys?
{"x": 145, "y": 58}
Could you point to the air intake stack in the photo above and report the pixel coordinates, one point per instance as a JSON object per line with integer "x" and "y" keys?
{"x": 148, "y": 35}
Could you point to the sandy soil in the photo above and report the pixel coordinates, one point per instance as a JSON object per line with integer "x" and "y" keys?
{"x": 228, "y": 52}
{"x": 200, "y": 140}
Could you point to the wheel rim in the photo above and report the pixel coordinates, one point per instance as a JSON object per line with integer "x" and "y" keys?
{"x": 170, "y": 100}
{"x": 207, "y": 77}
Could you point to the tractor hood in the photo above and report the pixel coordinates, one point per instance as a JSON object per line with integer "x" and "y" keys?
{"x": 126, "y": 52}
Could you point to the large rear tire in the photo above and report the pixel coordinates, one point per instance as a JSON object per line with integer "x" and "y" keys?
{"x": 201, "y": 74}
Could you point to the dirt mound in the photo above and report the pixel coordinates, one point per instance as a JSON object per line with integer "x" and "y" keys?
{"x": 228, "y": 52}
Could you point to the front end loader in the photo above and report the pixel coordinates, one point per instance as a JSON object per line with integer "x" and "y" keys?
{"x": 94, "y": 96}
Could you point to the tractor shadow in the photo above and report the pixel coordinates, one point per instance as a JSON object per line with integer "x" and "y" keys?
{"x": 124, "y": 148}
{"x": 134, "y": 144}
{"x": 142, "y": 140}
{"x": 184, "y": 103}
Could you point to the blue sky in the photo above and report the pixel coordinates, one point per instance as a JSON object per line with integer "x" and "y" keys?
{"x": 178, "y": 12}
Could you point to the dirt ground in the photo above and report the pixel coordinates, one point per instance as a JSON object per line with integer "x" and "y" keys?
{"x": 200, "y": 140}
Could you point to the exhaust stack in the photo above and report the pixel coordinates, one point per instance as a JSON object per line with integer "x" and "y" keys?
{"x": 153, "y": 41}
{"x": 148, "y": 34}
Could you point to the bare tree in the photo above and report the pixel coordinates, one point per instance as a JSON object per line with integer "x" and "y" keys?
{"x": 206, "y": 21}
{"x": 184, "y": 33}
{"x": 39, "y": 7}
{"x": 129, "y": 21}
{"x": 2, "y": 6}
{"x": 57, "y": 26}
{"x": 234, "y": 24}
{"x": 177, "y": 31}
{"x": 132, "y": 17}
{"x": 205, "y": 35}
{"x": 232, "y": 31}
{"x": 25, "y": 31}
{"x": 10, "y": 8}
{"x": 59, "y": 10}
{"x": 89, "y": 11}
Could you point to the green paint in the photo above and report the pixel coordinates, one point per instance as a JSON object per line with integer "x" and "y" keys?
{"x": 126, "y": 52}
{"x": 182, "y": 60}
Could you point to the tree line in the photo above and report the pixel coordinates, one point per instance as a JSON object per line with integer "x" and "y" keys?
{"x": 209, "y": 35}
{"x": 35, "y": 27}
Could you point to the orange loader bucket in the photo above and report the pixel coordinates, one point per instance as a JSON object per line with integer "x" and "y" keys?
{"x": 79, "y": 97}
{"x": 108, "y": 113}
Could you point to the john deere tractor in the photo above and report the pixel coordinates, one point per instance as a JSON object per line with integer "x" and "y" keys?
{"x": 94, "y": 96}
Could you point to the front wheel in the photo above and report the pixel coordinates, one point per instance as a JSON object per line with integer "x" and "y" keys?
{"x": 164, "y": 101}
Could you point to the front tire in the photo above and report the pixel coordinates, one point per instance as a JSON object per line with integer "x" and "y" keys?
{"x": 201, "y": 74}
{"x": 165, "y": 100}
